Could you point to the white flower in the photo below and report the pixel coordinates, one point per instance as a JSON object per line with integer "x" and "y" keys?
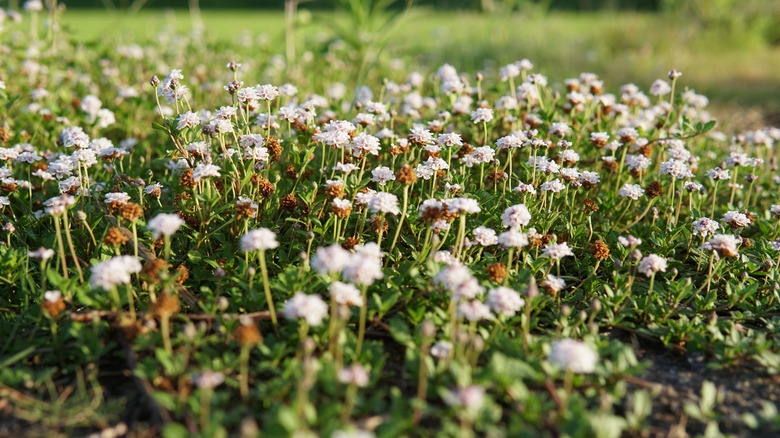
{"x": 637, "y": 162}
{"x": 718, "y": 173}
{"x": 660, "y": 87}
{"x": 188, "y": 120}
{"x": 505, "y": 301}
{"x": 203, "y": 171}
{"x": 308, "y": 307}
{"x": 553, "y": 284}
{"x": 560, "y": 129}
{"x": 513, "y": 239}
{"x": 365, "y": 144}
{"x": 555, "y": 186}
{"x": 469, "y": 398}
{"x": 629, "y": 241}
{"x": 383, "y": 202}
{"x": 208, "y": 379}
{"x": 525, "y": 188}
{"x": 589, "y": 178}
{"x": 675, "y": 168}
{"x": 441, "y": 349}
{"x": 364, "y": 266}
{"x": 474, "y": 310}
{"x": 114, "y": 271}
{"x": 41, "y": 253}
{"x": 557, "y": 252}
{"x": 736, "y": 219}
{"x": 481, "y": 115}
{"x": 329, "y": 259}
{"x": 355, "y": 433}
{"x": 631, "y": 191}
{"x": 266, "y": 92}
{"x": 573, "y": 355}
{"x": 483, "y": 154}
{"x": 117, "y": 197}
{"x": 356, "y": 375}
{"x": 651, "y": 264}
{"x": 382, "y": 175}
{"x": 52, "y": 296}
{"x": 345, "y": 294}
{"x": 164, "y": 224}
{"x": 449, "y": 139}
{"x": 775, "y": 245}
{"x": 90, "y": 104}
{"x": 421, "y": 136}
{"x": 57, "y": 205}
{"x": 705, "y": 227}
{"x": 258, "y": 239}
{"x": 457, "y": 279}
{"x": 724, "y": 244}
{"x": 484, "y": 236}
{"x": 463, "y": 205}
{"x": 153, "y": 189}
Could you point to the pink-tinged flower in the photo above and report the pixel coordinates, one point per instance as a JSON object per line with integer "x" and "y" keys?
{"x": 651, "y": 264}
{"x": 330, "y": 259}
{"x": 474, "y": 310}
{"x": 516, "y": 216}
{"x": 705, "y": 227}
{"x": 484, "y": 236}
{"x": 164, "y": 224}
{"x": 258, "y": 239}
{"x": 631, "y": 191}
{"x": 308, "y": 307}
{"x": 345, "y": 294}
{"x": 723, "y": 244}
{"x": 208, "y": 379}
{"x": 576, "y": 356}
{"x": 355, "y": 374}
{"x": 114, "y": 271}
{"x": 505, "y": 301}
{"x": 557, "y": 251}
{"x": 553, "y": 284}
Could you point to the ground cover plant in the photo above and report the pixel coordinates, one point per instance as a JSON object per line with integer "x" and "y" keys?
{"x": 193, "y": 250}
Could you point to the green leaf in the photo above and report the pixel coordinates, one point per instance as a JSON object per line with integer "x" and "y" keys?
{"x": 708, "y": 393}
{"x": 175, "y": 430}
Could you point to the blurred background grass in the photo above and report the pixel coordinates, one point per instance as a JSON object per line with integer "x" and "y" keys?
{"x": 729, "y": 51}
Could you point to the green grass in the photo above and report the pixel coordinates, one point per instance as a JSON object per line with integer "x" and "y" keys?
{"x": 733, "y": 70}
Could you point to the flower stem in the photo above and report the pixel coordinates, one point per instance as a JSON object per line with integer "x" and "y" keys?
{"x": 266, "y": 286}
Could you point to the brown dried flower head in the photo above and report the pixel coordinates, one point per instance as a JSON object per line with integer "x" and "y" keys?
{"x": 114, "y": 236}
{"x": 654, "y": 189}
{"x": 247, "y": 333}
{"x": 182, "y": 274}
{"x": 246, "y": 209}
{"x": 377, "y": 222}
{"x": 53, "y": 308}
{"x": 152, "y": 269}
{"x": 264, "y": 187}
{"x": 290, "y": 172}
{"x": 165, "y": 306}
{"x": 406, "y": 175}
{"x": 186, "y": 180}
{"x": 350, "y": 243}
{"x": 131, "y": 211}
{"x": 274, "y": 149}
{"x": 497, "y": 272}
{"x": 288, "y": 202}
{"x": 600, "y": 250}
